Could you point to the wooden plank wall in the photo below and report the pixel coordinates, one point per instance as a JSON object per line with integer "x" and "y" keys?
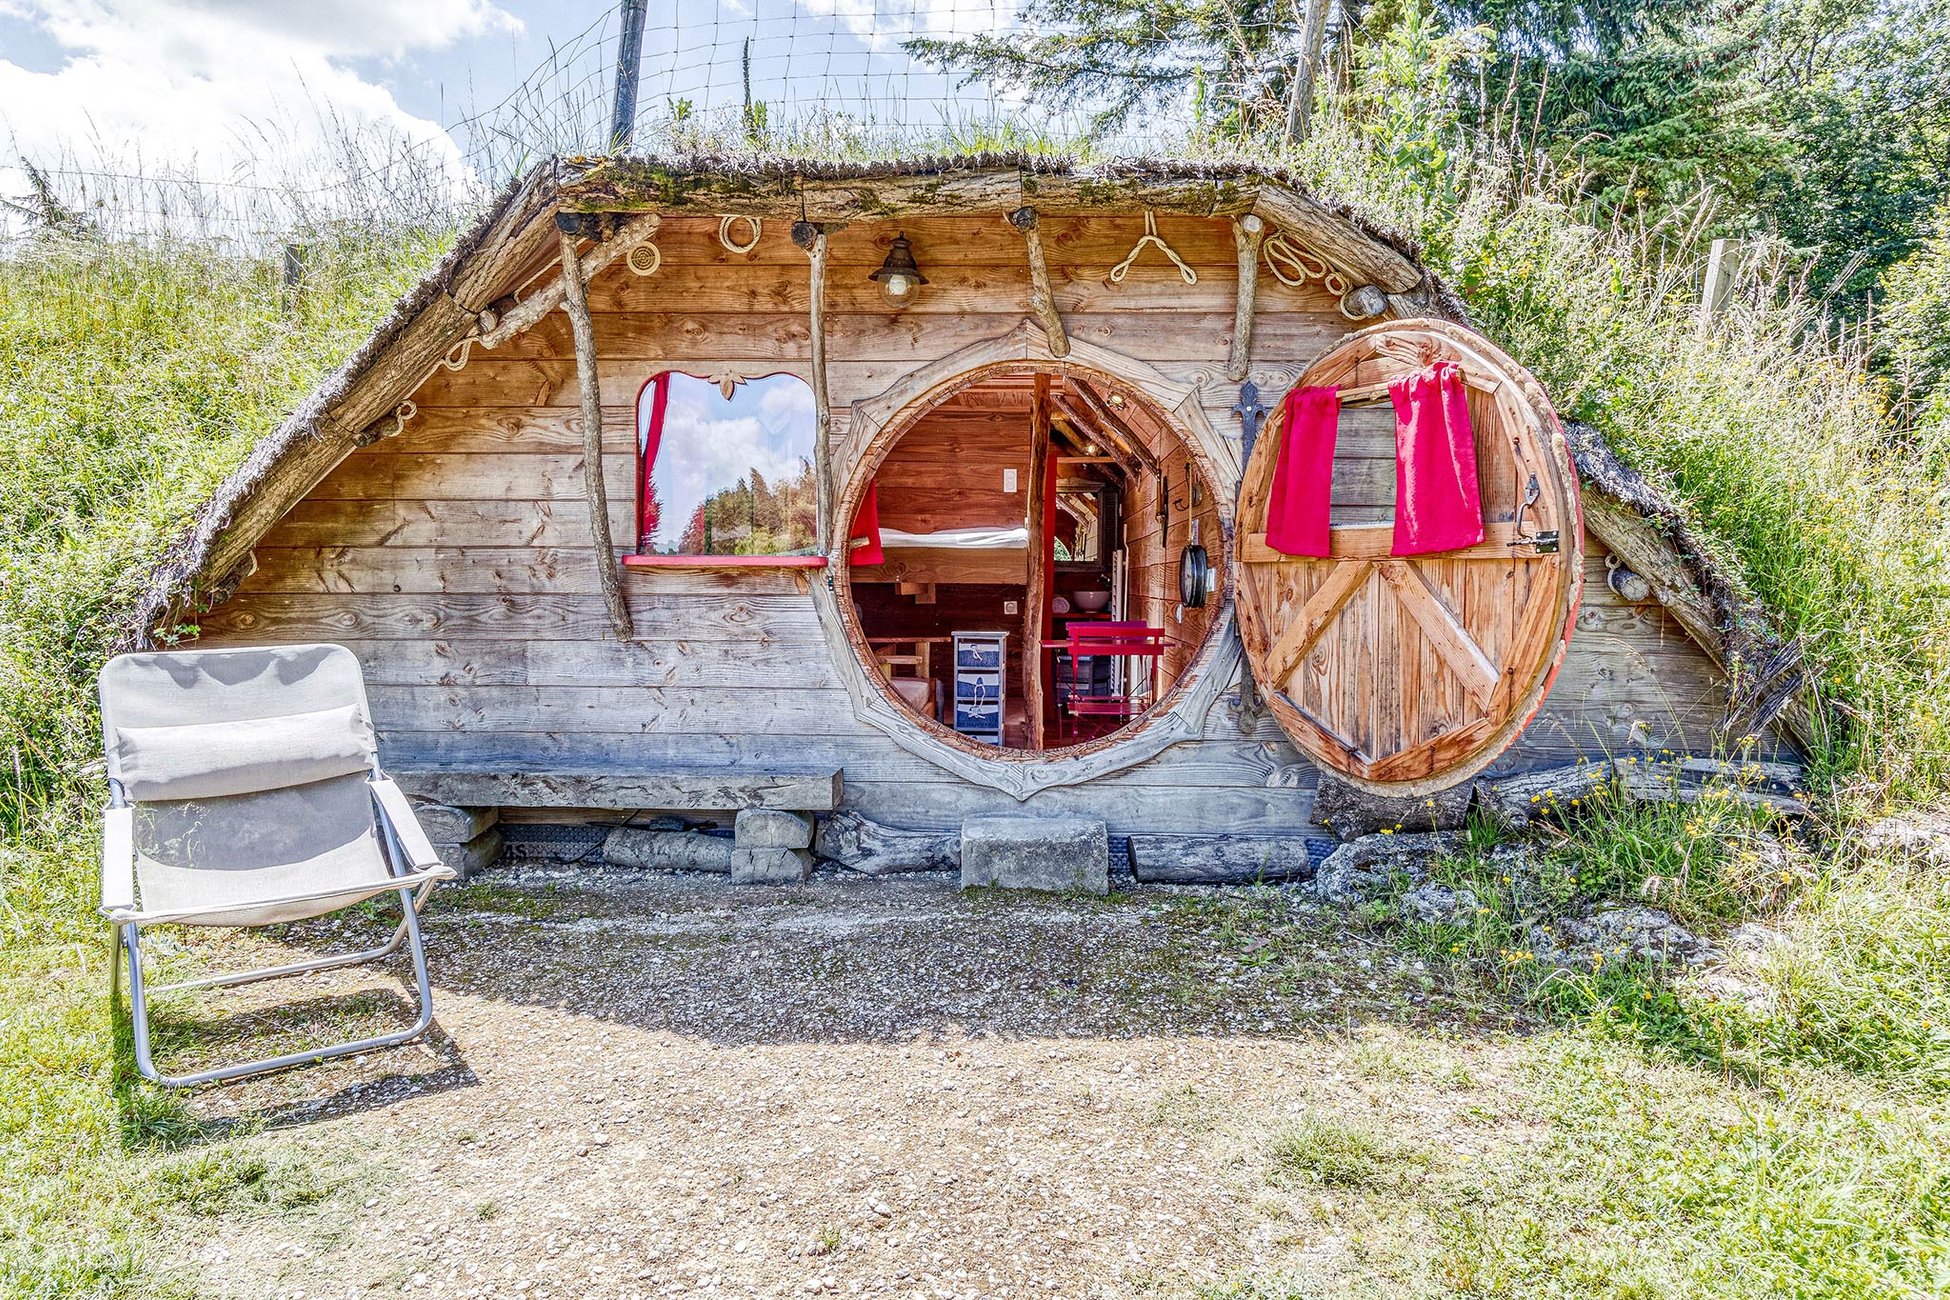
{"x": 454, "y": 559}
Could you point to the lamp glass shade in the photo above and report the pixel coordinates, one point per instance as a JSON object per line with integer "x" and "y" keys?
{"x": 899, "y": 278}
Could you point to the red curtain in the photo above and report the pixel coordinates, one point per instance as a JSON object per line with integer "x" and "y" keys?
{"x": 1303, "y": 477}
{"x": 647, "y": 505}
{"x": 1437, "y": 504}
{"x": 866, "y": 525}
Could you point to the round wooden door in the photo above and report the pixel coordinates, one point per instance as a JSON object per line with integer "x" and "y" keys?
{"x": 1408, "y": 673}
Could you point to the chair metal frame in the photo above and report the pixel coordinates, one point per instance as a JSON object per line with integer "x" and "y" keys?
{"x": 407, "y": 855}
{"x": 413, "y": 897}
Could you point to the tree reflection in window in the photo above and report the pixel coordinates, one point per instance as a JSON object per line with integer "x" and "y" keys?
{"x": 726, "y": 467}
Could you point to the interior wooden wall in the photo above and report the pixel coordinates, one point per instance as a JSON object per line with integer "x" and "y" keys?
{"x": 454, "y": 559}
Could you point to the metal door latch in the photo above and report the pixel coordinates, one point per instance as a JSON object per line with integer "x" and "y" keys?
{"x": 1547, "y": 543}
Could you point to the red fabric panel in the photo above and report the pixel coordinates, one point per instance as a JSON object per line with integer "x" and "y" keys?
{"x": 866, "y": 524}
{"x": 653, "y": 432}
{"x": 1437, "y": 505}
{"x": 1303, "y": 479}
{"x": 1049, "y": 550}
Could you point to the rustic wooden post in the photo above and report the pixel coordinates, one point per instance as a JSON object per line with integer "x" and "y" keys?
{"x": 1038, "y": 596}
{"x": 1247, "y": 232}
{"x": 575, "y": 299}
{"x": 498, "y": 327}
{"x": 813, "y": 239}
{"x": 1041, "y": 300}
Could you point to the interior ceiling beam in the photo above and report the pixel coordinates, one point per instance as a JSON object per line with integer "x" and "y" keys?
{"x": 1113, "y": 427}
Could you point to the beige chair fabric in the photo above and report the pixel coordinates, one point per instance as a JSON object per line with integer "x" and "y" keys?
{"x": 203, "y": 724}
{"x": 250, "y": 775}
{"x": 260, "y": 858}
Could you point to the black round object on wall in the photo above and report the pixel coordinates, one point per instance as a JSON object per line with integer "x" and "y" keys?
{"x": 1194, "y": 576}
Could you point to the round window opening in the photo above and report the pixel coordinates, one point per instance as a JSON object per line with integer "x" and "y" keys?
{"x": 1018, "y": 548}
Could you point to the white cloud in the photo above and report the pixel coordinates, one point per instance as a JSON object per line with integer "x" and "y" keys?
{"x": 219, "y": 88}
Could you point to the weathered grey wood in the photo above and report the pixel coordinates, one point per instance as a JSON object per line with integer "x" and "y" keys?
{"x": 687, "y": 610}
{"x": 604, "y": 710}
{"x": 1363, "y": 302}
{"x": 735, "y": 661}
{"x": 1351, "y": 812}
{"x": 698, "y": 788}
{"x": 576, "y": 300}
{"x": 1547, "y": 794}
{"x": 863, "y": 845}
{"x": 658, "y": 850}
{"x": 1220, "y": 859}
{"x": 1250, "y": 231}
{"x": 1042, "y": 299}
{"x": 1782, "y": 787}
{"x": 1337, "y": 239}
{"x": 326, "y": 523}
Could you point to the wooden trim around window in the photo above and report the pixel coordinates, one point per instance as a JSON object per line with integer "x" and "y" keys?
{"x": 724, "y": 561}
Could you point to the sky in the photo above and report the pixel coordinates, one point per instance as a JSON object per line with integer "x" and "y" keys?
{"x": 248, "y": 91}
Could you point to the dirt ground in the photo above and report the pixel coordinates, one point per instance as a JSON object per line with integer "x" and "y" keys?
{"x": 655, "y": 1085}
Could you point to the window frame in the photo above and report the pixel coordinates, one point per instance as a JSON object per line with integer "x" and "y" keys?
{"x": 637, "y": 558}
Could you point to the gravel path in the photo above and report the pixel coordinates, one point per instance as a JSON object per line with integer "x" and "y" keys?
{"x": 649, "y": 1085}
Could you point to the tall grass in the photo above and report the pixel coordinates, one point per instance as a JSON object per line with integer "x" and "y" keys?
{"x": 1828, "y": 502}
{"x": 133, "y": 375}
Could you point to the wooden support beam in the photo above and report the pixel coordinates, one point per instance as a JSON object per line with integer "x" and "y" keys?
{"x": 1113, "y": 427}
{"x": 716, "y": 789}
{"x": 1247, "y": 232}
{"x": 1038, "y": 594}
{"x": 1041, "y": 300}
{"x": 813, "y": 239}
{"x": 576, "y": 300}
{"x": 524, "y": 315}
{"x": 1120, "y": 455}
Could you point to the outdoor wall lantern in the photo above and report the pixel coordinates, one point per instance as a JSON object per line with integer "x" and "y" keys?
{"x": 900, "y": 279}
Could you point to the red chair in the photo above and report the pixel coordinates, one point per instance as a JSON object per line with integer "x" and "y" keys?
{"x": 1103, "y": 641}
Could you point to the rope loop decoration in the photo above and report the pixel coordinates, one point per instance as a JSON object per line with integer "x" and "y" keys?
{"x": 644, "y": 258}
{"x": 1123, "y": 268}
{"x": 755, "y": 224}
{"x": 1294, "y": 265}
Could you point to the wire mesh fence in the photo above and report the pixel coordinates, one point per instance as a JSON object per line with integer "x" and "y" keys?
{"x": 848, "y": 78}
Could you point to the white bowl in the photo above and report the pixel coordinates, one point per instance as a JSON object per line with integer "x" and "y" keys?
{"x": 1091, "y": 602}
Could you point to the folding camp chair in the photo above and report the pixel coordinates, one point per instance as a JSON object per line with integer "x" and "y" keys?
{"x": 245, "y": 790}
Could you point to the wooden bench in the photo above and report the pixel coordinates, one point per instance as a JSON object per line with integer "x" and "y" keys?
{"x": 710, "y": 789}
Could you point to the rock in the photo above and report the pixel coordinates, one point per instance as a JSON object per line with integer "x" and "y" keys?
{"x": 866, "y": 846}
{"x": 1779, "y": 786}
{"x": 1528, "y": 796}
{"x": 474, "y": 856}
{"x": 1351, "y": 812}
{"x": 1219, "y": 859}
{"x": 1619, "y": 934}
{"x": 1524, "y": 868}
{"x": 773, "y": 828}
{"x": 1053, "y": 853}
{"x": 1374, "y": 864}
{"x": 446, "y": 824}
{"x": 772, "y": 866}
{"x": 1434, "y": 904}
{"x": 1922, "y": 838}
{"x": 667, "y": 850}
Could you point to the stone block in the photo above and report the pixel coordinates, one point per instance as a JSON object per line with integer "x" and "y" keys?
{"x": 1053, "y": 853}
{"x": 474, "y": 856}
{"x": 772, "y": 828}
{"x": 770, "y": 866}
{"x": 667, "y": 850}
{"x": 446, "y": 824}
